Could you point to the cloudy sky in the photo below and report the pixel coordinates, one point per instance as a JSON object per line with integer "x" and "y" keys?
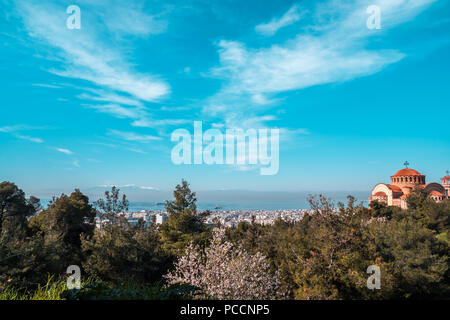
{"x": 96, "y": 106}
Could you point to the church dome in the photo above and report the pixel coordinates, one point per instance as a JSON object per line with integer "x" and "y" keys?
{"x": 407, "y": 177}
{"x": 408, "y": 172}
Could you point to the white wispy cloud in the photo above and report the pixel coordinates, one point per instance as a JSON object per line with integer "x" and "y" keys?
{"x": 90, "y": 54}
{"x": 117, "y": 110}
{"x": 332, "y": 49}
{"x": 7, "y": 129}
{"x": 101, "y": 53}
{"x": 156, "y": 123}
{"x": 335, "y": 55}
{"x": 117, "y": 185}
{"x": 124, "y": 145}
{"x": 131, "y": 136}
{"x": 127, "y": 108}
{"x": 139, "y": 115}
{"x": 148, "y": 188}
{"x": 44, "y": 85}
{"x": 19, "y": 127}
{"x": 104, "y": 144}
{"x": 128, "y": 18}
{"x": 102, "y": 95}
{"x": 300, "y": 64}
{"x": 32, "y": 139}
{"x": 291, "y": 16}
{"x": 62, "y": 150}
{"x": 130, "y": 185}
{"x": 136, "y": 150}
{"x": 16, "y": 130}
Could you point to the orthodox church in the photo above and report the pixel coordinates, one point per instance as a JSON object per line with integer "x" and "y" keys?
{"x": 403, "y": 182}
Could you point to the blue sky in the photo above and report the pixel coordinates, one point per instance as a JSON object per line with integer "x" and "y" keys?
{"x": 96, "y": 106}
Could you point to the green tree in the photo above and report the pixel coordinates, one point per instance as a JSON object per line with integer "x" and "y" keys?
{"x": 123, "y": 253}
{"x": 381, "y": 210}
{"x": 62, "y": 225}
{"x": 414, "y": 258}
{"x": 184, "y": 223}
{"x": 433, "y": 215}
{"x": 20, "y": 257}
{"x": 109, "y": 209}
{"x": 338, "y": 252}
{"x": 118, "y": 252}
{"x": 14, "y": 209}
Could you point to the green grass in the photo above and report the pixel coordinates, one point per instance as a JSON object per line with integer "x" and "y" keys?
{"x": 50, "y": 291}
{"x": 93, "y": 290}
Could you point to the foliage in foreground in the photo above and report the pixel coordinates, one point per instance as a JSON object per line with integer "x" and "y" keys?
{"x": 103, "y": 291}
{"x": 226, "y": 271}
{"x": 323, "y": 256}
{"x": 326, "y": 254}
{"x": 51, "y": 290}
{"x": 92, "y": 290}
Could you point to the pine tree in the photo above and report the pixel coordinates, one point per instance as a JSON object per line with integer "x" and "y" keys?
{"x": 184, "y": 223}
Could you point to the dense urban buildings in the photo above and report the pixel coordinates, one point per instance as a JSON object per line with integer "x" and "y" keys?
{"x": 229, "y": 218}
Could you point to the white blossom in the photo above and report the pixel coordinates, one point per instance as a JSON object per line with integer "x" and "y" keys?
{"x": 224, "y": 271}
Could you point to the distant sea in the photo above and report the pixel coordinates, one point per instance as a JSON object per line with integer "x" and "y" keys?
{"x": 248, "y": 203}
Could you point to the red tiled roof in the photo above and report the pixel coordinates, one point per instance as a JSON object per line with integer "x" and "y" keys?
{"x": 408, "y": 172}
{"x": 394, "y": 188}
